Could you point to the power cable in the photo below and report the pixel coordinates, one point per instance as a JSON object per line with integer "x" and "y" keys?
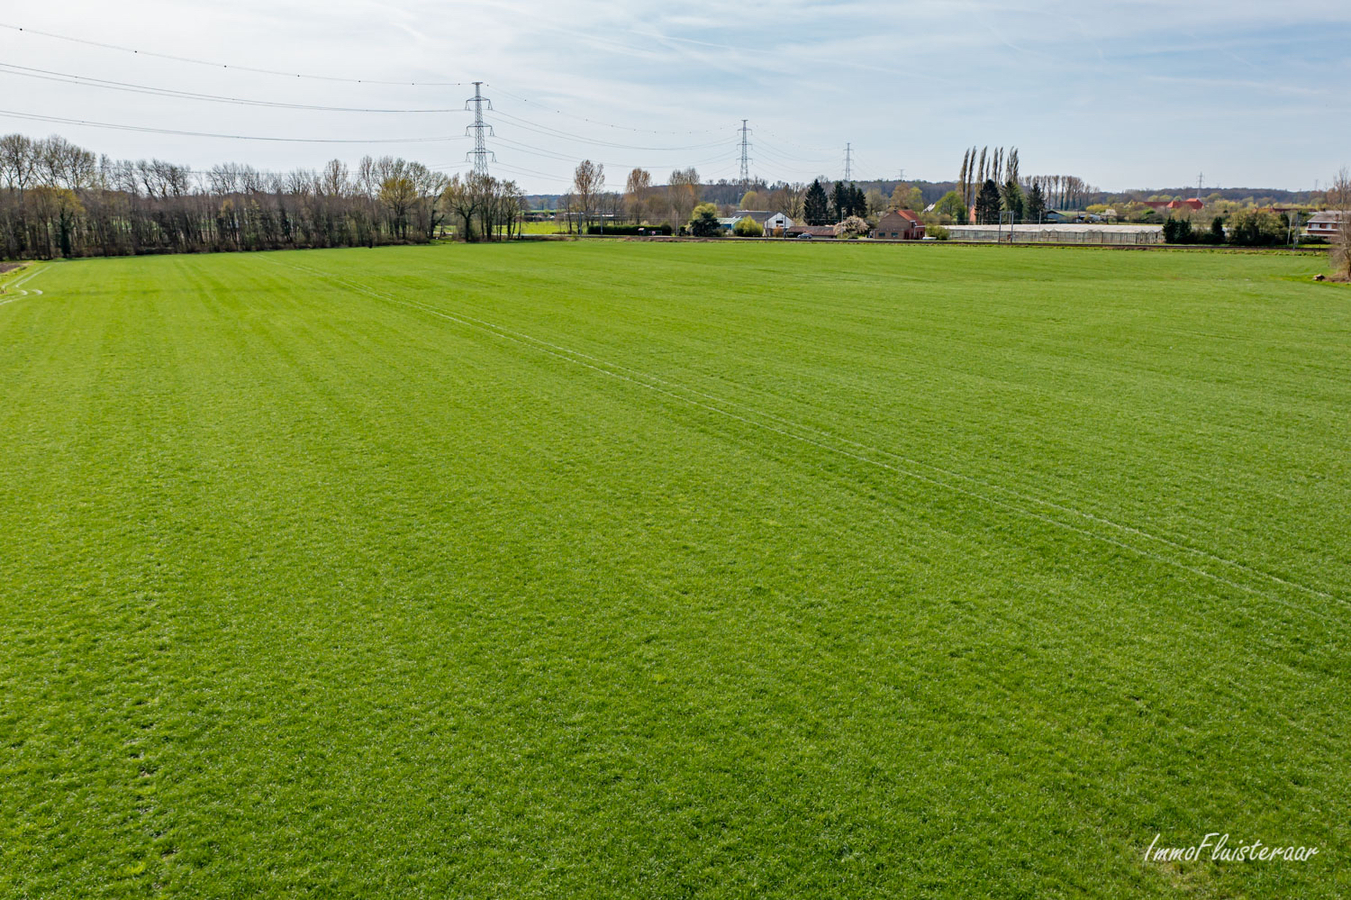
{"x": 549, "y": 108}
{"x": 64, "y": 78}
{"x": 554, "y": 132}
{"x": 236, "y": 137}
{"x": 217, "y": 65}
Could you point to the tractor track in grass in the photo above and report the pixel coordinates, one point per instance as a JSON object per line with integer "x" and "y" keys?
{"x": 762, "y": 420}
{"x": 5, "y": 299}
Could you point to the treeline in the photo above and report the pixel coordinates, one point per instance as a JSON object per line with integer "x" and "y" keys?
{"x": 671, "y": 206}
{"x": 1245, "y": 228}
{"x": 59, "y": 200}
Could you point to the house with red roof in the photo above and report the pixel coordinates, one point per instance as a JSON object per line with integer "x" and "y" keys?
{"x": 898, "y": 225}
{"x": 1193, "y": 203}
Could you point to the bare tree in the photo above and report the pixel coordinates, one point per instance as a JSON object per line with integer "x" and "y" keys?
{"x": 636, "y": 193}
{"x": 58, "y": 199}
{"x": 1339, "y": 197}
{"x": 483, "y": 207}
{"x": 588, "y": 181}
{"x": 398, "y": 195}
{"x": 462, "y": 198}
{"x": 683, "y": 193}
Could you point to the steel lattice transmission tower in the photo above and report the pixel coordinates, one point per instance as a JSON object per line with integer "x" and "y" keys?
{"x": 480, "y": 153}
{"x": 745, "y": 159}
{"x": 848, "y": 162}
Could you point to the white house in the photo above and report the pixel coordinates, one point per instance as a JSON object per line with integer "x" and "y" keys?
{"x": 1325, "y": 224}
{"x": 778, "y": 220}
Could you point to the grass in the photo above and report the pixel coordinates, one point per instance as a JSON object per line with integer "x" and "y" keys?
{"x": 624, "y": 569}
{"x": 542, "y": 228}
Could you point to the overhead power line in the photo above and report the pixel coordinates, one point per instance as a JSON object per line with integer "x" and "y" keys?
{"x": 218, "y": 65}
{"x": 86, "y": 81}
{"x": 797, "y": 145}
{"x": 786, "y": 156}
{"x": 237, "y": 137}
{"x": 548, "y": 131}
{"x": 549, "y": 108}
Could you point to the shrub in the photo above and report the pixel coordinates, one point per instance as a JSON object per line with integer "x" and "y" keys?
{"x": 1253, "y": 228}
{"x": 704, "y": 222}
{"x": 937, "y": 232}
{"x": 748, "y": 227}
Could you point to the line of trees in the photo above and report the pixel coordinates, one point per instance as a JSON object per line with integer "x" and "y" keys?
{"x": 60, "y": 200}
{"x": 673, "y": 204}
{"x": 641, "y": 201}
{"x": 1001, "y": 166}
{"x": 990, "y": 183}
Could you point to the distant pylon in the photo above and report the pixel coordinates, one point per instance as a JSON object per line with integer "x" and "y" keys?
{"x": 480, "y": 153}
{"x": 745, "y": 159}
{"x": 848, "y": 162}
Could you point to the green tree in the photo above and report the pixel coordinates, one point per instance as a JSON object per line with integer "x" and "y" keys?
{"x": 748, "y": 227}
{"x": 704, "y": 221}
{"x": 1011, "y": 198}
{"x": 750, "y": 200}
{"x": 1255, "y": 228}
{"x": 858, "y": 202}
{"x": 1177, "y": 231}
{"x": 907, "y": 196}
{"x": 815, "y": 206}
{"x": 877, "y": 202}
{"x": 950, "y": 204}
{"x": 839, "y": 202}
{"x": 1035, "y": 206}
{"x": 988, "y": 203}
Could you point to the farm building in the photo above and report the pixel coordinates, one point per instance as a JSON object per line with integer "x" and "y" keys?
{"x": 760, "y": 215}
{"x": 1325, "y": 224}
{"x": 810, "y": 231}
{"x": 1075, "y": 233}
{"x": 900, "y": 225}
{"x": 778, "y": 220}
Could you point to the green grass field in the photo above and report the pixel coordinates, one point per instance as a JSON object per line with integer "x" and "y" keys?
{"x": 672, "y": 570}
{"x": 541, "y": 228}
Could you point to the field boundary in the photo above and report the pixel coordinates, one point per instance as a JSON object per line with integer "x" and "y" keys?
{"x": 646, "y": 380}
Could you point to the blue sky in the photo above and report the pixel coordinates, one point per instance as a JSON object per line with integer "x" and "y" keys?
{"x": 1123, "y": 94}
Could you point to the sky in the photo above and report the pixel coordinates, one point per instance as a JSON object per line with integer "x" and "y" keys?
{"x": 1125, "y": 95}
